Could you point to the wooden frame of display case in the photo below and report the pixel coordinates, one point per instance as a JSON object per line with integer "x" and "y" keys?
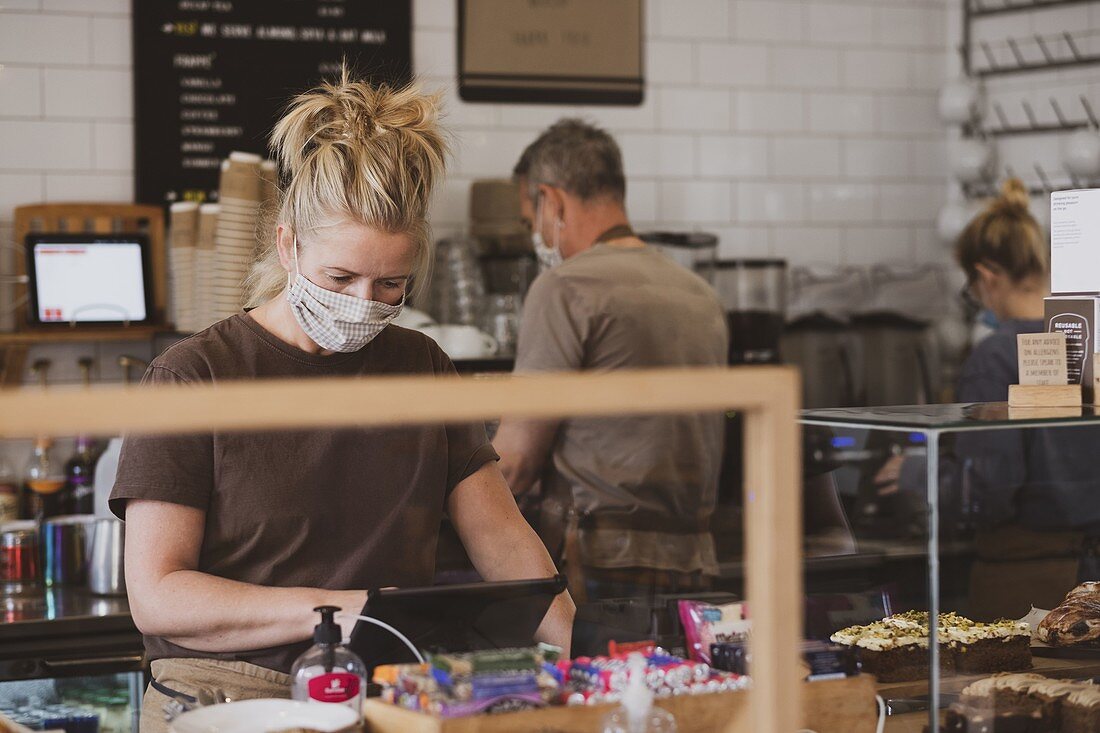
{"x": 767, "y": 396}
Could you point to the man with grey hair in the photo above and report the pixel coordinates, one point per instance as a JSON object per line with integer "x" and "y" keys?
{"x": 627, "y": 501}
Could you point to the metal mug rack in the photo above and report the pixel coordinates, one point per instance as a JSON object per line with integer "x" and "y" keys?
{"x": 1051, "y": 60}
{"x": 989, "y": 8}
{"x": 988, "y": 189}
{"x": 1062, "y": 123}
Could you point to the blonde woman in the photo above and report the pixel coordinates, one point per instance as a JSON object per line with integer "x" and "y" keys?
{"x": 1004, "y": 255}
{"x": 232, "y": 539}
{"x": 1034, "y": 492}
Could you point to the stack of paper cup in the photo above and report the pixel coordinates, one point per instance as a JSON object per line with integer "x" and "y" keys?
{"x": 184, "y": 233}
{"x": 240, "y": 193}
{"x": 269, "y": 188}
{"x": 204, "y": 266}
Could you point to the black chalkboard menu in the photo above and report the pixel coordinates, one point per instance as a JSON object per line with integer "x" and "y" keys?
{"x": 212, "y": 76}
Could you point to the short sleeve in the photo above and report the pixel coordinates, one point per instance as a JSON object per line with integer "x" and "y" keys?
{"x": 178, "y": 469}
{"x": 468, "y": 446}
{"x": 988, "y": 371}
{"x": 553, "y": 331}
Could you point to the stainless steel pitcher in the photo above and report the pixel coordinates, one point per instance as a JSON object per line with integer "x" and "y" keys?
{"x": 105, "y": 563}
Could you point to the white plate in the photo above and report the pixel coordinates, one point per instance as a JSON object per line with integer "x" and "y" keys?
{"x": 264, "y": 716}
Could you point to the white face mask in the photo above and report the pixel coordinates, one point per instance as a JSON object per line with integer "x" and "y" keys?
{"x": 336, "y": 321}
{"x": 549, "y": 256}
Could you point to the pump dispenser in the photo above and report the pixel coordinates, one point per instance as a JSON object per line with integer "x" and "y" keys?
{"x": 637, "y": 713}
{"x": 329, "y": 672}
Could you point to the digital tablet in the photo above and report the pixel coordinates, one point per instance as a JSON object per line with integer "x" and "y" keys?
{"x": 453, "y": 618}
{"x": 76, "y": 279}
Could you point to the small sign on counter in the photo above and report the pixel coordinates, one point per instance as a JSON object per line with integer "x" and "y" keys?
{"x": 1042, "y": 358}
{"x": 1044, "y": 381}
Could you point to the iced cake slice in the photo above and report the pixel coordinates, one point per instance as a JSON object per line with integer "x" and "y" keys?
{"x": 1081, "y": 711}
{"x": 890, "y": 652}
{"x": 1000, "y": 646}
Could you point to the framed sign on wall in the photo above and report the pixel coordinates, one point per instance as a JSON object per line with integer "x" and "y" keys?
{"x": 212, "y": 76}
{"x": 551, "y": 51}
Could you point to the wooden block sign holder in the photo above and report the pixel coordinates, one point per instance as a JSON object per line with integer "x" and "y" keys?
{"x": 768, "y": 397}
{"x": 1043, "y": 373}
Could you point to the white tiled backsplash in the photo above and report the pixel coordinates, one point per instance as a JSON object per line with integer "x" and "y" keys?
{"x": 798, "y": 128}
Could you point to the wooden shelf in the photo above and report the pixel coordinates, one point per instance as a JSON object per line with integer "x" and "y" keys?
{"x": 83, "y": 335}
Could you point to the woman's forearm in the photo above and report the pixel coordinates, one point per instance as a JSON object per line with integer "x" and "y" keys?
{"x": 520, "y": 555}
{"x": 211, "y": 614}
{"x": 502, "y": 546}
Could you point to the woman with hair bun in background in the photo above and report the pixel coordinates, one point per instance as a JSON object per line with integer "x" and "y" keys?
{"x": 1034, "y": 496}
{"x": 233, "y": 539}
{"x": 1003, "y": 253}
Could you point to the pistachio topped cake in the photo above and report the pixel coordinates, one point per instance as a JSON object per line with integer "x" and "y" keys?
{"x": 896, "y": 648}
{"x": 1000, "y": 646}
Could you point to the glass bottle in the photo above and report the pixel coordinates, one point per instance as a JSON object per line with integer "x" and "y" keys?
{"x": 638, "y": 714}
{"x": 80, "y": 478}
{"x": 44, "y": 482}
{"x": 9, "y": 492}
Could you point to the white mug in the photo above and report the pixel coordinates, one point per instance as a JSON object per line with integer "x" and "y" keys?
{"x": 1081, "y": 153}
{"x": 960, "y": 102}
{"x": 973, "y": 161}
{"x": 462, "y": 342}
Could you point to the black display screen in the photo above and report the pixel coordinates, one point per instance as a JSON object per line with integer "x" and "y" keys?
{"x": 212, "y": 76}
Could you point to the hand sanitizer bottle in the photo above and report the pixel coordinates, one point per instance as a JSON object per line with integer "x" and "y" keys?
{"x": 637, "y": 713}
{"x": 328, "y": 671}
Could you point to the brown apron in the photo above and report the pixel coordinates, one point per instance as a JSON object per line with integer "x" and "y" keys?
{"x": 209, "y": 681}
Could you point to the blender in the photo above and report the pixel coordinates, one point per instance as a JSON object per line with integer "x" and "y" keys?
{"x": 754, "y": 294}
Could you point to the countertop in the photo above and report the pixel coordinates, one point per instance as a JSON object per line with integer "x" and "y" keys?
{"x": 66, "y": 632}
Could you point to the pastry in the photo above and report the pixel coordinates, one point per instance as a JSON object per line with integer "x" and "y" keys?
{"x": 960, "y": 718}
{"x": 1076, "y": 620}
{"x": 1081, "y": 711}
{"x": 1000, "y": 646}
{"x": 896, "y": 648}
{"x": 1002, "y": 691}
{"x": 892, "y": 652}
{"x": 1063, "y": 706}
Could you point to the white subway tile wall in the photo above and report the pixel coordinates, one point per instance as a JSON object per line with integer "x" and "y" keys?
{"x": 789, "y": 127}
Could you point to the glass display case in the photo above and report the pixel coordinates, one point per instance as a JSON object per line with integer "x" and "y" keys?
{"x": 69, "y": 661}
{"x": 966, "y": 522}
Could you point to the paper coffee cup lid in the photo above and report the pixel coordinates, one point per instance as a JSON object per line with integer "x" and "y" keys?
{"x": 238, "y": 156}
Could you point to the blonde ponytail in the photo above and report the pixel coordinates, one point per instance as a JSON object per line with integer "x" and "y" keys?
{"x": 1006, "y": 235}
{"x": 351, "y": 151}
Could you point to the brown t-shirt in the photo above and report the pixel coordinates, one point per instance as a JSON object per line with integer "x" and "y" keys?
{"x": 338, "y": 509}
{"x": 654, "y": 477}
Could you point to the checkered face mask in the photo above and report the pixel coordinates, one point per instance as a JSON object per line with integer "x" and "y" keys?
{"x": 336, "y": 321}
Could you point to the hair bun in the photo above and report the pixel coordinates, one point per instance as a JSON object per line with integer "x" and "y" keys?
{"x": 1014, "y": 196}
{"x": 353, "y": 113}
